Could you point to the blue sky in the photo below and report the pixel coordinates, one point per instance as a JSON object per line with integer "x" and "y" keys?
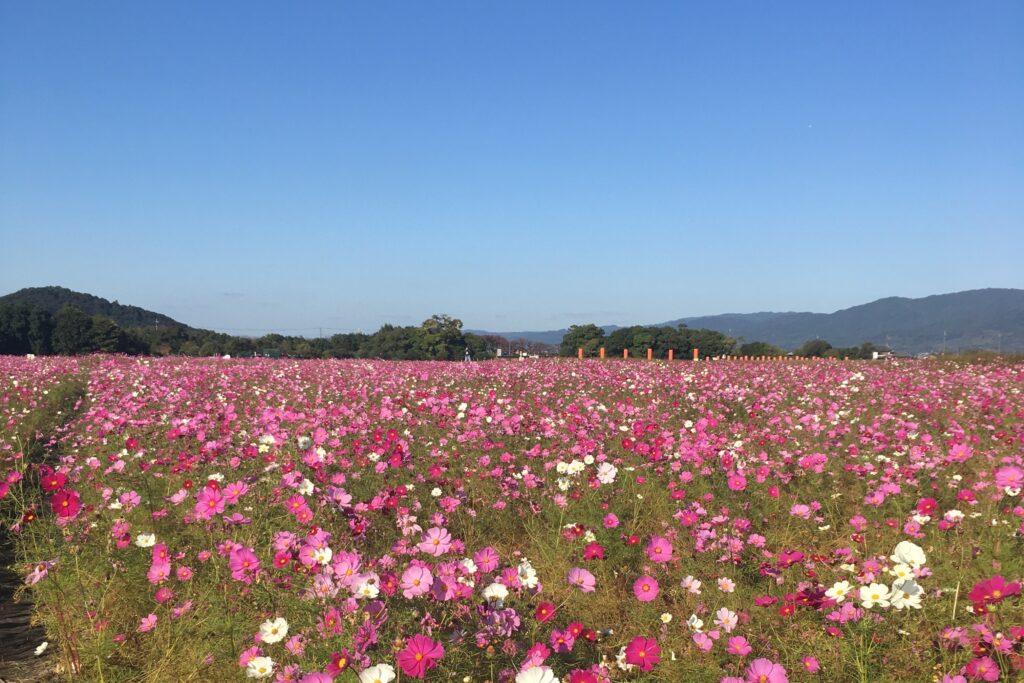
{"x": 252, "y": 166}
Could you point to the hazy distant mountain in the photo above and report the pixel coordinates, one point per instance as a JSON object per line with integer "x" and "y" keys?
{"x": 553, "y": 337}
{"x": 54, "y": 298}
{"x": 980, "y": 318}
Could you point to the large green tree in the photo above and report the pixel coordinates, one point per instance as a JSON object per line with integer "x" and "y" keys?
{"x": 589, "y": 337}
{"x": 72, "y": 332}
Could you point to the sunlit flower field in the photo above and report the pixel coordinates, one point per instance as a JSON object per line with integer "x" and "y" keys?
{"x": 518, "y": 521}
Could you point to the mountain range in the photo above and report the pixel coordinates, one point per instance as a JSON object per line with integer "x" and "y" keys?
{"x": 973, "y": 319}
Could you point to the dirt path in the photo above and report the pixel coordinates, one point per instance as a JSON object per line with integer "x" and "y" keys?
{"x": 18, "y": 640}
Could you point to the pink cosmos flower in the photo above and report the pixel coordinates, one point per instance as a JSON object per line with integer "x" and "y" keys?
{"x": 147, "y": 624}
{"x": 159, "y": 572}
{"x": 436, "y": 541}
{"x": 703, "y": 641}
{"x": 659, "y": 549}
{"x": 232, "y": 492}
{"x": 39, "y": 572}
{"x": 316, "y": 677}
{"x": 1010, "y": 476}
{"x": 420, "y": 653}
{"x": 738, "y": 646}
{"x": 416, "y": 580}
{"x": 486, "y": 559}
{"x": 811, "y": 664}
{"x": 737, "y": 482}
{"x": 982, "y": 669}
{"x": 249, "y": 655}
{"x": 645, "y": 588}
{"x": 535, "y": 656}
{"x": 244, "y": 565}
{"x": 643, "y": 653}
{"x": 209, "y": 502}
{"x": 610, "y": 521}
{"x": 766, "y": 671}
{"x": 561, "y": 641}
{"x": 582, "y": 579}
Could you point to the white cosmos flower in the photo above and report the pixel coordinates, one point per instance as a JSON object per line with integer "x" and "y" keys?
{"x": 380, "y": 673}
{"x": 908, "y": 553}
{"x": 145, "y": 540}
{"x": 527, "y": 575}
{"x": 901, "y": 572}
{"x": 691, "y": 585}
{"x": 606, "y": 473}
{"x": 260, "y": 667}
{"x": 838, "y": 591}
{"x": 42, "y": 647}
{"x": 273, "y": 630}
{"x": 367, "y": 590}
{"x": 323, "y": 555}
{"x": 695, "y": 623}
{"x": 537, "y": 674}
{"x": 306, "y": 487}
{"x": 906, "y": 594}
{"x": 495, "y": 592}
{"x": 875, "y": 594}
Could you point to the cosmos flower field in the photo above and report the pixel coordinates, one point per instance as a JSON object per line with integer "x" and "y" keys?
{"x": 526, "y": 521}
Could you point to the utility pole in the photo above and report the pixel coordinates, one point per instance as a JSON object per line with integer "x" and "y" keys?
{"x": 943, "y": 342}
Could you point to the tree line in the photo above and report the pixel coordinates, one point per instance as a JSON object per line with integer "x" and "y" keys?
{"x": 682, "y": 340}
{"x": 32, "y": 329}
{"x": 26, "y": 328}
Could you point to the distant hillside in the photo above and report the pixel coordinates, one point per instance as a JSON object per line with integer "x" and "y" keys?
{"x": 52, "y": 299}
{"x": 552, "y": 337}
{"x": 975, "y": 319}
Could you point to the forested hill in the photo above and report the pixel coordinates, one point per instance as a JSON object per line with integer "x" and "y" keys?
{"x": 52, "y": 299}
{"x": 980, "y": 318}
{"x": 975, "y": 319}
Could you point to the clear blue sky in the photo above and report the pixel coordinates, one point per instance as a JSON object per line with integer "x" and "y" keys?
{"x": 255, "y": 166}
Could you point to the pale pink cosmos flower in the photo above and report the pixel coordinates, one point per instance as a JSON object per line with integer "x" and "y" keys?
{"x": 582, "y": 579}
{"x": 766, "y": 671}
{"x": 726, "y": 619}
{"x": 436, "y": 541}
{"x": 416, "y": 580}
{"x": 147, "y": 624}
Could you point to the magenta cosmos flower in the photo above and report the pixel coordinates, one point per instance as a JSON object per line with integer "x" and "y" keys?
{"x": 643, "y": 652}
{"x": 766, "y": 671}
{"x": 420, "y": 653}
{"x": 659, "y": 549}
{"x": 66, "y": 504}
{"x": 645, "y": 588}
{"x": 582, "y": 579}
